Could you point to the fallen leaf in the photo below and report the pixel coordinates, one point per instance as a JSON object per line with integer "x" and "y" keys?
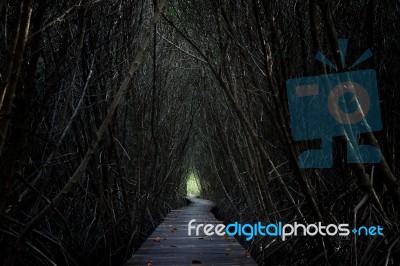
{"x": 196, "y": 262}
{"x": 157, "y": 239}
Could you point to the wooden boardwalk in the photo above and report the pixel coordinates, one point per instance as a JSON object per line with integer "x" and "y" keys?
{"x": 170, "y": 244}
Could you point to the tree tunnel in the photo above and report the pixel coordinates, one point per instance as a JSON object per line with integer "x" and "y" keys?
{"x": 111, "y": 112}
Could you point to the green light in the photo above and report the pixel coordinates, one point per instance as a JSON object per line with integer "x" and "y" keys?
{"x": 193, "y": 184}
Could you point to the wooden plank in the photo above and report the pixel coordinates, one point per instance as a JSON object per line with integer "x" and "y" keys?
{"x": 170, "y": 244}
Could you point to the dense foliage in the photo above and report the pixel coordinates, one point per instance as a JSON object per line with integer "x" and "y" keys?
{"x": 107, "y": 107}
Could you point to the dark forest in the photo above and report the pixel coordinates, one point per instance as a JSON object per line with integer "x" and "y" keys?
{"x": 107, "y": 107}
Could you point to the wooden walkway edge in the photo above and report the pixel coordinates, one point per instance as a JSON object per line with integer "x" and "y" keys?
{"x": 170, "y": 244}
